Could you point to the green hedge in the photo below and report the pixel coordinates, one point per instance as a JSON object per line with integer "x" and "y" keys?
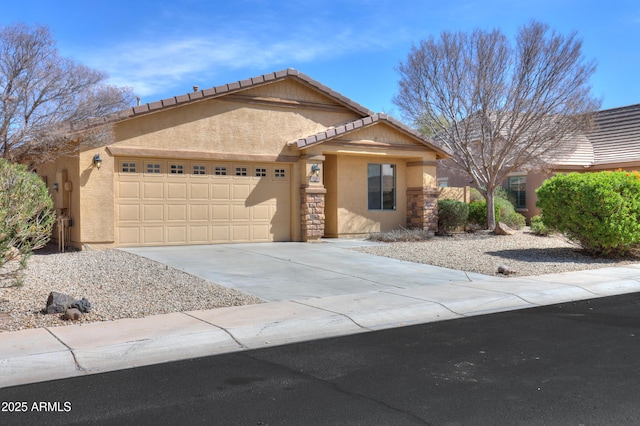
{"x": 26, "y": 213}
{"x": 600, "y": 211}
{"x": 452, "y": 214}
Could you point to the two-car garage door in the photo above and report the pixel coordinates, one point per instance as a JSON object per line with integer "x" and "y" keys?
{"x": 160, "y": 202}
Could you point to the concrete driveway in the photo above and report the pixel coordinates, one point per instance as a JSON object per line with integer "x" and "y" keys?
{"x": 294, "y": 271}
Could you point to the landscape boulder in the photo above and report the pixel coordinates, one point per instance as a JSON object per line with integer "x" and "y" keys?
{"x": 505, "y": 270}
{"x": 502, "y": 229}
{"x": 58, "y": 303}
{"x": 72, "y": 314}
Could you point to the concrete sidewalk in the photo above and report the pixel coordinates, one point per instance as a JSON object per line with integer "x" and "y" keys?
{"x": 58, "y": 352}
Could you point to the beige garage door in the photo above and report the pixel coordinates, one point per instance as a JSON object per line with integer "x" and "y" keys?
{"x": 161, "y": 202}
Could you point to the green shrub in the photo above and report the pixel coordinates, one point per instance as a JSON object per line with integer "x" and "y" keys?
{"x": 452, "y": 214}
{"x": 478, "y": 213}
{"x": 538, "y": 227}
{"x": 599, "y": 211}
{"x": 475, "y": 195}
{"x": 26, "y": 216}
{"x": 507, "y": 213}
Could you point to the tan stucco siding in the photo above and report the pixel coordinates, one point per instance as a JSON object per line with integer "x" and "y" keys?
{"x": 353, "y": 215}
{"x": 229, "y": 125}
{"x": 97, "y": 201}
{"x": 291, "y": 90}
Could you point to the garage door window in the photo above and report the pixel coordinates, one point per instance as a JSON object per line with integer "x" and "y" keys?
{"x": 279, "y": 174}
{"x": 241, "y": 171}
{"x": 128, "y": 167}
{"x": 220, "y": 171}
{"x": 176, "y": 169}
{"x": 198, "y": 169}
{"x": 382, "y": 186}
{"x": 261, "y": 172}
{"x": 153, "y": 168}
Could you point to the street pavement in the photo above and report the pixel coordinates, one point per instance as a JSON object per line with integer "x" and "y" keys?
{"x": 575, "y": 363}
{"x": 313, "y": 291}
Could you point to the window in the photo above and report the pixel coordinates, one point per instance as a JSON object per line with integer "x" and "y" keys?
{"x": 279, "y": 174}
{"x": 176, "y": 169}
{"x": 220, "y": 171}
{"x": 241, "y": 171}
{"x": 517, "y": 186}
{"x": 382, "y": 186}
{"x": 128, "y": 167}
{"x": 261, "y": 172}
{"x": 443, "y": 182}
{"x": 198, "y": 169}
{"x": 153, "y": 168}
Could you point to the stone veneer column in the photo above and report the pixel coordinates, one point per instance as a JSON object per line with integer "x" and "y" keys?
{"x": 312, "y": 212}
{"x": 422, "y": 208}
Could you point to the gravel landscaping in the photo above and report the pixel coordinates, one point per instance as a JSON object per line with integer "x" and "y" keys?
{"x": 482, "y": 252}
{"x": 122, "y": 285}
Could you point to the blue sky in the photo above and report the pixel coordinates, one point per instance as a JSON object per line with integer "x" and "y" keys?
{"x": 162, "y": 48}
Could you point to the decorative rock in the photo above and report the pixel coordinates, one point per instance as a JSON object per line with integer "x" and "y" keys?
{"x": 505, "y": 270}
{"x": 502, "y": 229}
{"x": 72, "y": 314}
{"x": 82, "y": 305}
{"x": 58, "y": 303}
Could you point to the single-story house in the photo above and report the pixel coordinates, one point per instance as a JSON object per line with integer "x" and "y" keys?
{"x": 613, "y": 144}
{"x": 278, "y": 157}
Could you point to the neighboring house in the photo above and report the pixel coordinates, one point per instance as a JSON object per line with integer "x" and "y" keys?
{"x": 613, "y": 144}
{"x": 279, "y": 157}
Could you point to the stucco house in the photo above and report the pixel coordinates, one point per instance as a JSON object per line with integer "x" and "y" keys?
{"x": 278, "y": 157}
{"x": 613, "y": 144}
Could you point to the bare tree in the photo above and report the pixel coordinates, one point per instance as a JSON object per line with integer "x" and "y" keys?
{"x": 50, "y": 105}
{"x": 499, "y": 107}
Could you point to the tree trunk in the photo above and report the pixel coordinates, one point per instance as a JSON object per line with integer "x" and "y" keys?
{"x": 491, "y": 211}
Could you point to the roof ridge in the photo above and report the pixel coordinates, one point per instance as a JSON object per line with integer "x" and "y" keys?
{"x": 239, "y": 85}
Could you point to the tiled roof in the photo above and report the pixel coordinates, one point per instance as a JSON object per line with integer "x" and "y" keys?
{"x": 243, "y": 85}
{"x": 616, "y": 138}
{"x": 361, "y": 123}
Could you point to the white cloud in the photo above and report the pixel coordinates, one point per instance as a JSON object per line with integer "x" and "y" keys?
{"x": 152, "y": 66}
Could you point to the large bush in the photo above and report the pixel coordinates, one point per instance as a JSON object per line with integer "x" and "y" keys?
{"x": 26, "y": 215}
{"x": 504, "y": 212}
{"x": 452, "y": 214}
{"x": 599, "y": 211}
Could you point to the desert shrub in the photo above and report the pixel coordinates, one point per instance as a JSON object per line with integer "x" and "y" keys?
{"x": 538, "y": 227}
{"x": 475, "y": 195}
{"x": 452, "y": 214}
{"x": 504, "y": 212}
{"x": 26, "y": 216}
{"x": 401, "y": 235}
{"x": 507, "y": 213}
{"x": 599, "y": 211}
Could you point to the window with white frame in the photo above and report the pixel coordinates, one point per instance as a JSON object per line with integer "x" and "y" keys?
{"x": 279, "y": 174}
{"x": 241, "y": 171}
{"x": 198, "y": 169}
{"x": 381, "y": 186}
{"x": 220, "y": 171}
{"x": 261, "y": 172}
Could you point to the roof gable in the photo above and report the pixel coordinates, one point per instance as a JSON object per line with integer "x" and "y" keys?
{"x": 365, "y": 122}
{"x": 246, "y": 86}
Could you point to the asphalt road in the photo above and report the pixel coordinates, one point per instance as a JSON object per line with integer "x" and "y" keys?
{"x": 569, "y": 364}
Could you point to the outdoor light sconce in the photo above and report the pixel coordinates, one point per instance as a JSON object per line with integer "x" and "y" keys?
{"x": 315, "y": 173}
{"x": 55, "y": 186}
{"x": 97, "y": 161}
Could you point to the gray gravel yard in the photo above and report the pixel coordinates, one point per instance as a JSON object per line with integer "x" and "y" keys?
{"x": 124, "y": 285}
{"x": 483, "y": 252}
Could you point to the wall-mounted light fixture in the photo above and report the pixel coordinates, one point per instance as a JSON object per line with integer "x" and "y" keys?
{"x": 55, "y": 186}
{"x": 97, "y": 161}
{"x": 315, "y": 169}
